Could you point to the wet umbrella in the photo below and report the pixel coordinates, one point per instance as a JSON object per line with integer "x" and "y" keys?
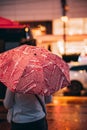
{"x": 31, "y": 69}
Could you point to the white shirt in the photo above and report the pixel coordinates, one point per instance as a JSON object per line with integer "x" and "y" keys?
{"x": 23, "y": 108}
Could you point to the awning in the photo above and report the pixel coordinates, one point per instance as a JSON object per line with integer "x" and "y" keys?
{"x": 7, "y": 24}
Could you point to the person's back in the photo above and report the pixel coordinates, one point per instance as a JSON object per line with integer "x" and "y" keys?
{"x": 26, "y": 110}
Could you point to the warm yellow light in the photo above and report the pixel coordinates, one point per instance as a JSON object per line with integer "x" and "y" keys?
{"x": 60, "y": 45}
{"x": 55, "y": 102}
{"x": 36, "y": 32}
{"x": 26, "y": 29}
{"x": 64, "y": 18}
{"x": 42, "y": 28}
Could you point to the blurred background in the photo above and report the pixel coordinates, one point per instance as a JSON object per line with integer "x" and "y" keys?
{"x": 61, "y": 27}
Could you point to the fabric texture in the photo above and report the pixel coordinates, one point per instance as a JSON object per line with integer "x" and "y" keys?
{"x": 25, "y": 111}
{"x": 23, "y": 108}
{"x": 33, "y": 70}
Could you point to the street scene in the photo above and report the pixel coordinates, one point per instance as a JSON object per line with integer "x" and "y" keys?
{"x": 68, "y": 113}
{"x": 43, "y": 53}
{"x": 64, "y": 113}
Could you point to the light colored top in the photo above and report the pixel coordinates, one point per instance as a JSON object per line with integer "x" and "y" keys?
{"x": 23, "y": 108}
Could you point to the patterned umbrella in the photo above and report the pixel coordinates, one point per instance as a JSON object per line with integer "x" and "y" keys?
{"x": 31, "y": 69}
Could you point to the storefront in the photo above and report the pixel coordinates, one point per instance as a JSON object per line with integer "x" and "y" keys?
{"x": 75, "y": 33}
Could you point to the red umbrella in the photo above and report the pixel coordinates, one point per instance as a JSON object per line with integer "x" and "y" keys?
{"x": 31, "y": 69}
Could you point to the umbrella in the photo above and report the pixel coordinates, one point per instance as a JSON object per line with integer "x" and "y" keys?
{"x": 35, "y": 70}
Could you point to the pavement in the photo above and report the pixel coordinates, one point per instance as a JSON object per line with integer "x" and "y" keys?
{"x": 67, "y": 113}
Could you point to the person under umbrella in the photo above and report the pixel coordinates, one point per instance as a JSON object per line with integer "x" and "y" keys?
{"x": 31, "y": 73}
{"x": 26, "y": 111}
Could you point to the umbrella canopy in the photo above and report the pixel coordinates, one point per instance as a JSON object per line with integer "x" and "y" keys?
{"x": 31, "y": 69}
{"x": 8, "y": 24}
